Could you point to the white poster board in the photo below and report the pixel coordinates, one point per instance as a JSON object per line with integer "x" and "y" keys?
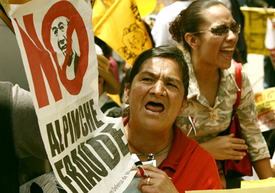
{"x": 87, "y": 151}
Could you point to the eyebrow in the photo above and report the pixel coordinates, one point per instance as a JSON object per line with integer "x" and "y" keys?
{"x": 60, "y": 24}
{"x": 168, "y": 78}
{"x": 54, "y": 28}
{"x": 224, "y": 24}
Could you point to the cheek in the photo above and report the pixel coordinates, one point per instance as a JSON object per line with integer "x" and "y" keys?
{"x": 179, "y": 101}
{"x": 212, "y": 44}
{"x": 211, "y": 52}
{"x": 136, "y": 94}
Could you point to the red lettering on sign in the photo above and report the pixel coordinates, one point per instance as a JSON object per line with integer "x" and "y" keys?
{"x": 40, "y": 60}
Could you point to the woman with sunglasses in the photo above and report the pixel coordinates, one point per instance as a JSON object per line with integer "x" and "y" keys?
{"x": 209, "y": 34}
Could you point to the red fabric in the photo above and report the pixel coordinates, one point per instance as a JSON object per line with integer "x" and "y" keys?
{"x": 113, "y": 65}
{"x": 189, "y": 165}
{"x": 243, "y": 167}
{"x": 238, "y": 78}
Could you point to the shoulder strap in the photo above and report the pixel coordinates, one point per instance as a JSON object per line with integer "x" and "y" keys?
{"x": 107, "y": 106}
{"x": 238, "y": 78}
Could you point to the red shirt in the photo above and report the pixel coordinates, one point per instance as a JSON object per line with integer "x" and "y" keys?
{"x": 189, "y": 165}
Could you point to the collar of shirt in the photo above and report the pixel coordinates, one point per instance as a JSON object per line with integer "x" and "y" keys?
{"x": 227, "y": 83}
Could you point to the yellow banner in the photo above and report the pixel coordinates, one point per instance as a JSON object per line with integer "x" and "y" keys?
{"x": 123, "y": 30}
{"x": 269, "y": 189}
{"x": 108, "y": 3}
{"x": 255, "y": 28}
{"x": 99, "y": 11}
{"x": 262, "y": 186}
{"x": 258, "y": 183}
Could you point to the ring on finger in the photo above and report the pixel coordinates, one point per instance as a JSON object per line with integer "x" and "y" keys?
{"x": 148, "y": 181}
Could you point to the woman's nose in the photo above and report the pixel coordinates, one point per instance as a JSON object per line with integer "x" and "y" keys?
{"x": 159, "y": 89}
{"x": 232, "y": 36}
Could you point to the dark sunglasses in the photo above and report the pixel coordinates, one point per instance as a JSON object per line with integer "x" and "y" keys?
{"x": 221, "y": 30}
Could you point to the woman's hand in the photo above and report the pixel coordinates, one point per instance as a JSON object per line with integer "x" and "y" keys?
{"x": 226, "y": 147}
{"x": 158, "y": 181}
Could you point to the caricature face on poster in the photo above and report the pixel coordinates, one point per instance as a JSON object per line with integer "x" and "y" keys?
{"x": 59, "y": 41}
{"x": 87, "y": 151}
{"x": 59, "y": 33}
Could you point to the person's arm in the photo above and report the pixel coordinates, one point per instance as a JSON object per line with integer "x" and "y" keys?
{"x": 257, "y": 147}
{"x": 263, "y": 168}
{"x": 26, "y": 131}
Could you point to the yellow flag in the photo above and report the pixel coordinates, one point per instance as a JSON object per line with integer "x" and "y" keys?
{"x": 123, "y": 30}
{"x": 99, "y": 11}
{"x": 109, "y": 3}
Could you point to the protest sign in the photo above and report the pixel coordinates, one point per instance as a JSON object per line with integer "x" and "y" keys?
{"x": 263, "y": 186}
{"x": 88, "y": 152}
{"x": 270, "y": 39}
{"x": 269, "y": 189}
{"x": 258, "y": 183}
{"x": 255, "y": 28}
{"x": 265, "y": 104}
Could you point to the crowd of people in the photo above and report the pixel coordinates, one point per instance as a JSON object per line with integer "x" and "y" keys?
{"x": 186, "y": 82}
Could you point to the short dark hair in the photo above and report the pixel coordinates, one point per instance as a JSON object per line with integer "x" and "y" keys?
{"x": 190, "y": 19}
{"x": 165, "y": 51}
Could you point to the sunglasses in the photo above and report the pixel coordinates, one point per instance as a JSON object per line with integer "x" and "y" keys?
{"x": 221, "y": 30}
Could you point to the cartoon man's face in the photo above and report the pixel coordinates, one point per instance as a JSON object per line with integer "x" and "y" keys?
{"x": 59, "y": 30}
{"x": 134, "y": 41}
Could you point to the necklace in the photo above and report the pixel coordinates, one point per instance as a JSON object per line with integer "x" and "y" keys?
{"x": 151, "y": 156}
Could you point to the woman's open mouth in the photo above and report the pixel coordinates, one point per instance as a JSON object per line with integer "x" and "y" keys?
{"x": 154, "y": 107}
{"x": 227, "y": 53}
